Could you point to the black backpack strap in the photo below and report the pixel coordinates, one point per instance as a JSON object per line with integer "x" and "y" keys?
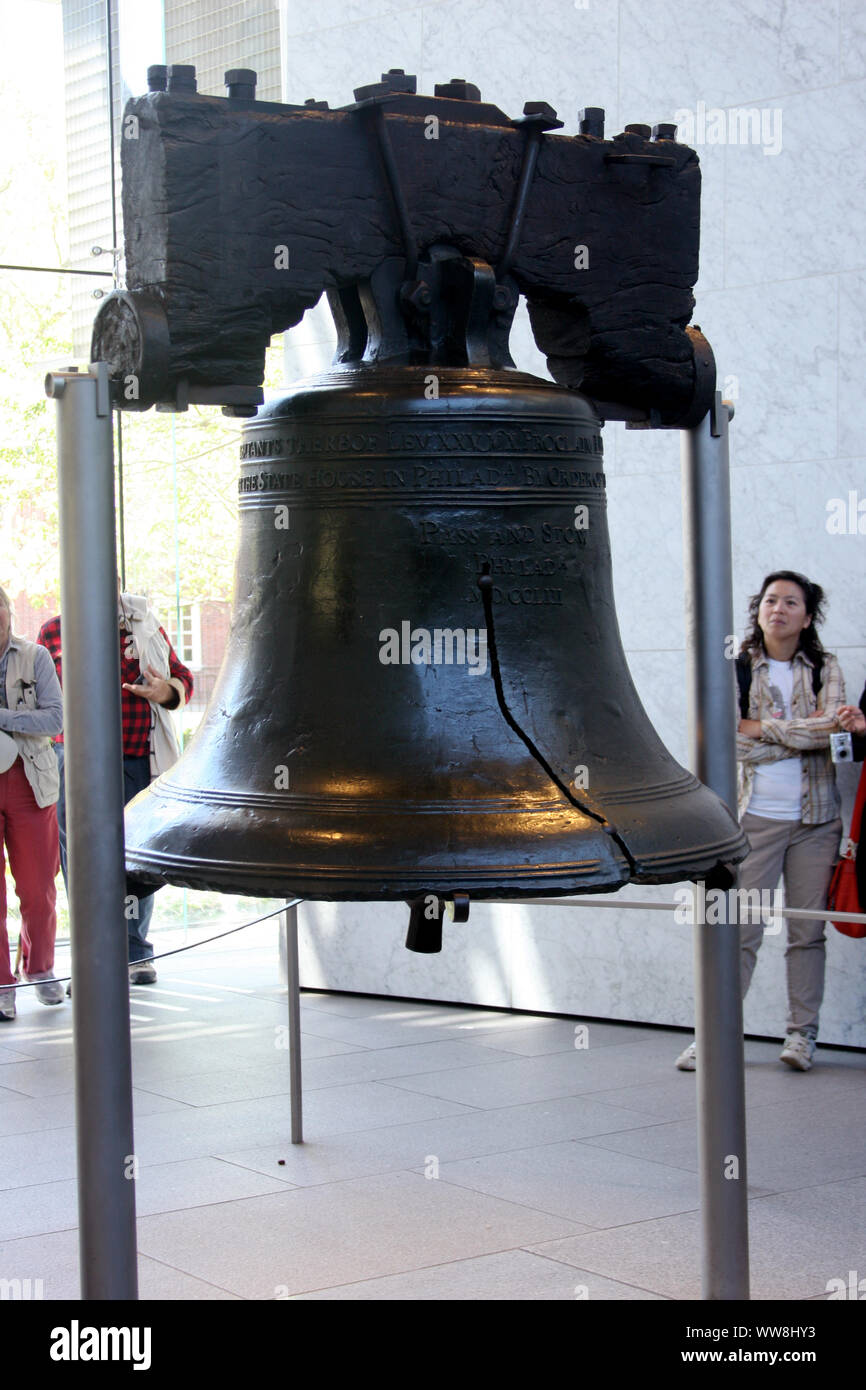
{"x": 744, "y": 681}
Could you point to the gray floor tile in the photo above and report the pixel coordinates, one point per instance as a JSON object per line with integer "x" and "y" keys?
{"x": 481, "y": 1021}
{"x": 47, "y": 1033}
{"x": 464, "y": 1018}
{"x": 47, "y": 1207}
{"x": 54, "y": 1259}
{"x": 237, "y": 1048}
{"x": 772, "y": 1083}
{"x": 662, "y": 1256}
{"x": 201, "y": 1130}
{"x": 195, "y": 1182}
{"x": 561, "y": 1035}
{"x": 798, "y": 1242}
{"x": 778, "y": 1160}
{"x": 48, "y": 1077}
{"x": 10, "y": 1055}
{"x": 671, "y": 1096}
{"x": 383, "y": 1031}
{"x": 314, "y": 1237}
{"x": 581, "y": 1183}
{"x": 334, "y": 1157}
{"x": 530, "y": 1078}
{"x": 158, "y": 1061}
{"x": 228, "y": 1082}
{"x": 40, "y": 1155}
{"x": 24, "y": 1114}
{"x": 513, "y": 1275}
{"x": 158, "y": 1281}
{"x": 402, "y": 1060}
{"x": 221, "y": 1084}
{"x": 362, "y": 1005}
{"x": 801, "y": 1240}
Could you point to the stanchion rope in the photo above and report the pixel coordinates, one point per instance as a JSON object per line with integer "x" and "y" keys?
{"x": 631, "y": 905}
{"x": 31, "y": 984}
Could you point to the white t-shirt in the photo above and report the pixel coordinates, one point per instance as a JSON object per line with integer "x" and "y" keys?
{"x": 777, "y": 789}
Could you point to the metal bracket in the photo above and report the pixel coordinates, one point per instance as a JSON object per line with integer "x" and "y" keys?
{"x": 661, "y": 161}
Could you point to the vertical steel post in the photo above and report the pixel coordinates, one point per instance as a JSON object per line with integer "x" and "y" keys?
{"x": 293, "y": 981}
{"x": 712, "y": 713}
{"x": 94, "y": 817}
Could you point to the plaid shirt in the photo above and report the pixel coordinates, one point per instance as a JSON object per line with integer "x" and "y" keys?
{"x": 136, "y": 712}
{"x": 800, "y": 736}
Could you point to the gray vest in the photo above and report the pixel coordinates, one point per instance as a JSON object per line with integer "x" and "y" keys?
{"x": 35, "y": 751}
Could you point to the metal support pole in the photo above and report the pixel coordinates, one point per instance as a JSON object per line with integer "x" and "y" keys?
{"x": 293, "y": 981}
{"x": 712, "y": 714}
{"x": 94, "y": 816}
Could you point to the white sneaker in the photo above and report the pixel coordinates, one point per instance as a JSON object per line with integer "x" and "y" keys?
{"x": 688, "y": 1059}
{"x": 142, "y": 972}
{"x": 798, "y": 1051}
{"x": 7, "y": 1003}
{"x": 48, "y": 990}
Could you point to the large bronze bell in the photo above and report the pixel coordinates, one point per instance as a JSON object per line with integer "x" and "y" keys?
{"x": 424, "y": 688}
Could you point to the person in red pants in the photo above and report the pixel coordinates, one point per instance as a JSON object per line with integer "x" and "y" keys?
{"x": 853, "y": 721}
{"x": 31, "y": 713}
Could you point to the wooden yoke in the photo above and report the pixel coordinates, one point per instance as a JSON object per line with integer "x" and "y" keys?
{"x": 238, "y": 214}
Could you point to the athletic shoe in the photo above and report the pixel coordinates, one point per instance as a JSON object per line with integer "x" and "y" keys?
{"x": 688, "y": 1060}
{"x": 7, "y": 1003}
{"x": 142, "y": 972}
{"x": 48, "y": 990}
{"x": 798, "y": 1051}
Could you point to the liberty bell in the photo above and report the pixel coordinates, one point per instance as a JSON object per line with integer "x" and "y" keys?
{"x": 424, "y": 689}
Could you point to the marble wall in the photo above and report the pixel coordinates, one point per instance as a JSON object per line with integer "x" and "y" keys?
{"x": 781, "y": 296}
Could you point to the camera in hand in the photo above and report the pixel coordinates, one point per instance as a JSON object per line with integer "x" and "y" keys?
{"x": 841, "y": 750}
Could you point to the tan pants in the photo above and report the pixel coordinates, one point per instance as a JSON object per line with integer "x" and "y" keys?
{"x": 804, "y": 855}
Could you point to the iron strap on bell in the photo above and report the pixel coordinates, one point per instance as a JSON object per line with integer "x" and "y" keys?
{"x": 424, "y": 690}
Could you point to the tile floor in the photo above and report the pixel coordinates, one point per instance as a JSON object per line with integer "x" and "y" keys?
{"x": 451, "y": 1153}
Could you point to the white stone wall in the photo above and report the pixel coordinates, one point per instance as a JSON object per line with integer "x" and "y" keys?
{"x": 782, "y": 298}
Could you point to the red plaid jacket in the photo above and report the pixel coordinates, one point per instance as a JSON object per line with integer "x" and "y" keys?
{"x": 137, "y": 713}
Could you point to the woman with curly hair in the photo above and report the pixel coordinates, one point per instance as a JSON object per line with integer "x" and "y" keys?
{"x": 791, "y": 691}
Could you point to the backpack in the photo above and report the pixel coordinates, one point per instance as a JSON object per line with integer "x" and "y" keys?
{"x": 744, "y": 680}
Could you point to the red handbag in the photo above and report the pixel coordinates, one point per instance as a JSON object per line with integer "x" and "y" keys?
{"x": 842, "y": 896}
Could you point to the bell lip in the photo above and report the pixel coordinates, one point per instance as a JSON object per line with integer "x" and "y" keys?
{"x": 510, "y": 882}
{"x": 354, "y": 892}
{"x": 382, "y": 882}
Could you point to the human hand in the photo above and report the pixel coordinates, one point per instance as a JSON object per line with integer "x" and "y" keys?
{"x": 852, "y": 719}
{"x": 750, "y": 728}
{"x": 153, "y": 687}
